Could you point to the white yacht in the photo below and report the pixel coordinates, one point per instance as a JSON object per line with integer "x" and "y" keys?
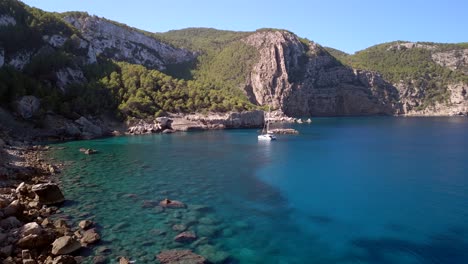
{"x": 266, "y": 134}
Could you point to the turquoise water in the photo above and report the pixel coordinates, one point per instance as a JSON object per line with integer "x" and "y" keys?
{"x": 346, "y": 190}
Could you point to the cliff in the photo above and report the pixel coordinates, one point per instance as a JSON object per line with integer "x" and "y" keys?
{"x": 74, "y": 66}
{"x": 303, "y": 79}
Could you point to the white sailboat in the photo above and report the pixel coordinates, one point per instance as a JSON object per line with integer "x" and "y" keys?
{"x": 266, "y": 134}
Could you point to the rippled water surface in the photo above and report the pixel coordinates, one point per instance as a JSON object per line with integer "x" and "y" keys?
{"x": 346, "y": 190}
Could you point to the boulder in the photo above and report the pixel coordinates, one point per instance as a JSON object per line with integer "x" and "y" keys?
{"x": 90, "y": 236}
{"x": 15, "y": 208}
{"x": 166, "y": 203}
{"x": 10, "y": 222}
{"x": 185, "y": 237}
{"x": 88, "y": 127}
{"x": 65, "y": 245}
{"x": 33, "y": 241}
{"x": 48, "y": 193}
{"x": 164, "y": 122}
{"x": 27, "y": 106}
{"x": 100, "y": 260}
{"x": 180, "y": 256}
{"x": 85, "y": 224}
{"x": 124, "y": 260}
{"x": 6, "y": 251}
{"x": 65, "y": 259}
{"x": 30, "y": 229}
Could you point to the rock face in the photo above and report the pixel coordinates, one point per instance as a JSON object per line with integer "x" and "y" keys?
{"x": 123, "y": 43}
{"x": 69, "y": 76}
{"x": 303, "y": 80}
{"x": 2, "y": 57}
{"x": 27, "y": 106}
{"x": 6, "y": 20}
{"x": 454, "y": 59}
{"x": 48, "y": 193}
{"x": 180, "y": 257}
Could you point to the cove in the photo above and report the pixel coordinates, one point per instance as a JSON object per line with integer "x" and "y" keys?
{"x": 345, "y": 190}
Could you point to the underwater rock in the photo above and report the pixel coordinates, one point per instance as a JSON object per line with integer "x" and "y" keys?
{"x": 180, "y": 227}
{"x": 166, "y": 203}
{"x": 185, "y": 237}
{"x": 213, "y": 254}
{"x": 180, "y": 256}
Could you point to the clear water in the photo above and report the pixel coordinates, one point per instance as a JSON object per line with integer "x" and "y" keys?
{"x": 346, "y": 190}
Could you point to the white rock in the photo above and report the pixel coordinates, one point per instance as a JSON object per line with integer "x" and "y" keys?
{"x": 6, "y": 20}
{"x": 30, "y": 229}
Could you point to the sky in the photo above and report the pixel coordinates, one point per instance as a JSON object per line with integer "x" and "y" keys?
{"x": 349, "y": 26}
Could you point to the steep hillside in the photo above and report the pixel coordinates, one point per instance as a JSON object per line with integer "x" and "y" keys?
{"x": 74, "y": 65}
{"x": 431, "y": 78}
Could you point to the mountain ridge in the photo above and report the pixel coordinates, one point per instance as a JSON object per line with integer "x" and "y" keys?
{"x": 66, "y": 59}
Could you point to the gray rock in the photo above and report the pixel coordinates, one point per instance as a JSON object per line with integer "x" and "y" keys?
{"x": 65, "y": 245}
{"x": 90, "y": 237}
{"x": 85, "y": 224}
{"x": 30, "y": 229}
{"x": 48, "y": 193}
{"x": 27, "y": 106}
{"x": 88, "y": 127}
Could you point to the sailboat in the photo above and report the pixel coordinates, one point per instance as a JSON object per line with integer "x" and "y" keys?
{"x": 266, "y": 134}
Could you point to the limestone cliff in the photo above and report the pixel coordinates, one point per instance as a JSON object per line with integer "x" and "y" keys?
{"x": 126, "y": 44}
{"x": 302, "y": 79}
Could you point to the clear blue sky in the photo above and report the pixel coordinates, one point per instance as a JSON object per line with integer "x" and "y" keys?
{"x": 346, "y": 25}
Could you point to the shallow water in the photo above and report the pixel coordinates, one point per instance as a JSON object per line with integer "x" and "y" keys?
{"x": 346, "y": 190}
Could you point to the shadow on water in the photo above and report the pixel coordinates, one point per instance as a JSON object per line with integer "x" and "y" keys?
{"x": 448, "y": 247}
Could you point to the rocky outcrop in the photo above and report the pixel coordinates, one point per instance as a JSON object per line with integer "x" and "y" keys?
{"x": 411, "y": 45}
{"x": 6, "y": 20}
{"x": 27, "y": 106}
{"x": 246, "y": 119}
{"x": 55, "y": 41}
{"x": 455, "y": 104}
{"x": 456, "y": 60}
{"x": 123, "y": 43}
{"x": 69, "y": 76}
{"x": 20, "y": 59}
{"x": 302, "y": 79}
{"x": 48, "y": 193}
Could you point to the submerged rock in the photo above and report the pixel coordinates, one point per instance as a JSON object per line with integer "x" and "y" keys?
{"x": 185, "y": 237}
{"x": 166, "y": 203}
{"x": 180, "y": 257}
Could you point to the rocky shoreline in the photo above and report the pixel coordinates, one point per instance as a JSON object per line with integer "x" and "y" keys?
{"x": 31, "y": 227}
{"x": 30, "y": 196}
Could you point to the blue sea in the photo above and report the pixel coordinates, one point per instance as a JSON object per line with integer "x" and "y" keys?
{"x": 345, "y": 190}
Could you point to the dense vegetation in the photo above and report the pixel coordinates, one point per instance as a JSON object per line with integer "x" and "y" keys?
{"x": 224, "y": 60}
{"x": 412, "y": 66}
{"x": 211, "y": 83}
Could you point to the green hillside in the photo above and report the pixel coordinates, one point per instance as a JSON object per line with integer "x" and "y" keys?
{"x": 412, "y": 65}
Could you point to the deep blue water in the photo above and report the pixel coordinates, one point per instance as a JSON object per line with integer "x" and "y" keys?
{"x": 346, "y": 190}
